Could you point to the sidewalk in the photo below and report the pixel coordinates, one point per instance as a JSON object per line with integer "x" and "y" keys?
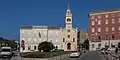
{"x": 114, "y": 56}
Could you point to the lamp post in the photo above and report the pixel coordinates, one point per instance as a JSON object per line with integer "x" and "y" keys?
{"x": 51, "y": 50}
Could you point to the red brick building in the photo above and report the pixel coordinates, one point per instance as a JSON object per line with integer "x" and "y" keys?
{"x": 104, "y": 25}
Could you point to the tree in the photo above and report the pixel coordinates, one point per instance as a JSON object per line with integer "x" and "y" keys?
{"x": 86, "y": 44}
{"x": 46, "y": 46}
{"x": 118, "y": 44}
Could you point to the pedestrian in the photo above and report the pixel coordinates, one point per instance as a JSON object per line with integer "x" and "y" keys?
{"x": 116, "y": 50}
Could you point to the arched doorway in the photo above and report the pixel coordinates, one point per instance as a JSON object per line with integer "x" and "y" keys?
{"x": 69, "y": 46}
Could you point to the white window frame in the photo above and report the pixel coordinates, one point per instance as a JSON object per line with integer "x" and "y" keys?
{"x": 106, "y": 21}
{"x": 106, "y": 15}
{"x": 96, "y": 33}
{"x": 93, "y": 22}
{"x": 99, "y": 22}
{"x": 93, "y": 30}
{"x": 113, "y": 28}
{"x": 113, "y": 14}
{"x": 93, "y": 17}
{"x": 96, "y": 20}
{"x": 99, "y": 29}
{"x": 113, "y": 21}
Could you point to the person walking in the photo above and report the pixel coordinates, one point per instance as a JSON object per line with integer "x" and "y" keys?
{"x": 116, "y": 50}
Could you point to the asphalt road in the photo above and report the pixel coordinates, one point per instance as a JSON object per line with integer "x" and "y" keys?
{"x": 15, "y": 57}
{"x": 92, "y": 55}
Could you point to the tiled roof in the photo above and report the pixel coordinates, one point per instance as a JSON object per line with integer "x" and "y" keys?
{"x": 26, "y": 27}
{"x": 110, "y": 10}
{"x": 39, "y": 27}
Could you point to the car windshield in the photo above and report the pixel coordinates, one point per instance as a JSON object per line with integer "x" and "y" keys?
{"x": 5, "y": 50}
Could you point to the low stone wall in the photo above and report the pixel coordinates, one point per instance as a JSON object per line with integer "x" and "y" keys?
{"x": 65, "y": 57}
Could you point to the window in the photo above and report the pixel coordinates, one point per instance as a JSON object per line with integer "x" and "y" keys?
{"x": 92, "y": 29}
{"x": 99, "y": 22}
{"x": 34, "y": 47}
{"x": 68, "y": 20}
{"x": 99, "y": 29}
{"x": 106, "y": 22}
{"x": 39, "y": 35}
{"x": 96, "y": 33}
{"x": 68, "y": 36}
{"x": 63, "y": 39}
{"x": 93, "y": 23}
{"x": 106, "y": 36}
{"x": 118, "y": 14}
{"x": 68, "y": 30}
{"x": 99, "y": 16}
{"x": 112, "y": 36}
{"x": 73, "y": 39}
{"x": 93, "y": 37}
{"x": 113, "y": 15}
{"x": 106, "y": 29}
{"x": 106, "y": 16}
{"x": 93, "y": 17}
{"x": 113, "y": 21}
{"x": 118, "y": 20}
{"x": 29, "y": 47}
{"x": 99, "y": 38}
{"x": 113, "y": 28}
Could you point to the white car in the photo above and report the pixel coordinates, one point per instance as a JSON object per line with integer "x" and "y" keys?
{"x": 74, "y": 55}
{"x": 103, "y": 52}
{"x": 6, "y": 52}
{"x": 98, "y": 49}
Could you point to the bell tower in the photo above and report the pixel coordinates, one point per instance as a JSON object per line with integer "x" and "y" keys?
{"x": 68, "y": 18}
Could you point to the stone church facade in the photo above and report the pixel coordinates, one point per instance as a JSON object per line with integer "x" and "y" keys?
{"x": 69, "y": 34}
{"x": 64, "y": 38}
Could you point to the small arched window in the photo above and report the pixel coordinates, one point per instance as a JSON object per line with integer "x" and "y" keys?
{"x": 68, "y": 20}
{"x": 39, "y": 35}
{"x": 63, "y": 39}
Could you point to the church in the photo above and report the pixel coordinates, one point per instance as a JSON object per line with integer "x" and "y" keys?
{"x": 69, "y": 34}
{"x": 64, "y": 38}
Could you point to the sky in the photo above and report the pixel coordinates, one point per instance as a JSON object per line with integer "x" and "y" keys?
{"x": 18, "y": 13}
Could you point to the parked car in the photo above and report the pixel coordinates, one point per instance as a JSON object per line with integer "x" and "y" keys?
{"x": 103, "y": 51}
{"x": 6, "y": 52}
{"x": 98, "y": 49}
{"x": 74, "y": 55}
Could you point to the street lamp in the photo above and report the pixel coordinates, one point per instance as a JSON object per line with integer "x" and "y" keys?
{"x": 51, "y": 50}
